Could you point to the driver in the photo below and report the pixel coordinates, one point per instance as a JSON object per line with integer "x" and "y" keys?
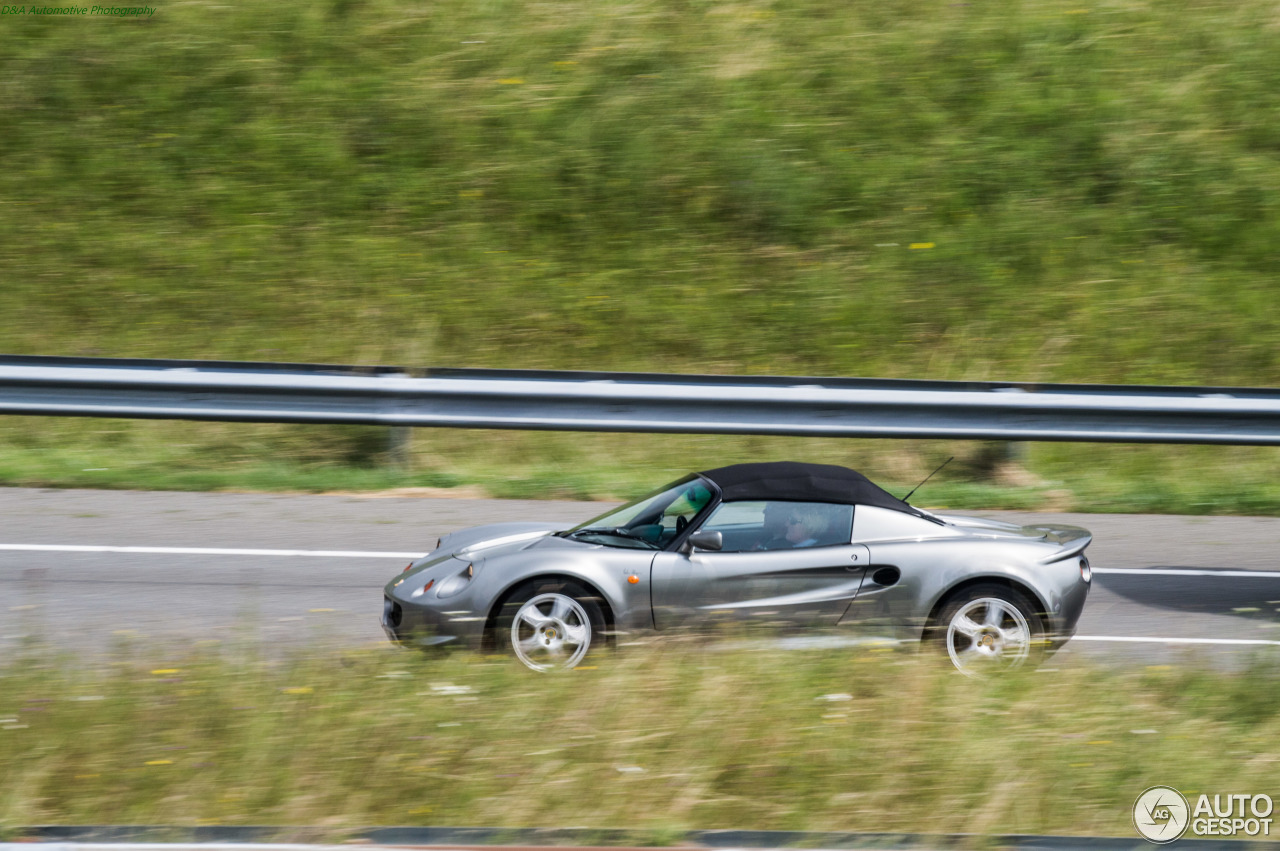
{"x": 804, "y": 525}
{"x": 791, "y": 526}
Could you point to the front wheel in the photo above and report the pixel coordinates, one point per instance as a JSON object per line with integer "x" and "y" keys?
{"x": 552, "y": 626}
{"x": 989, "y": 628}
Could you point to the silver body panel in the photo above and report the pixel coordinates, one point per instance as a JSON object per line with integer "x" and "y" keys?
{"x": 811, "y": 587}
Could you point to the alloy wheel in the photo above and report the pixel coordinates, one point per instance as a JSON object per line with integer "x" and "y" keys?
{"x": 988, "y": 634}
{"x": 551, "y": 632}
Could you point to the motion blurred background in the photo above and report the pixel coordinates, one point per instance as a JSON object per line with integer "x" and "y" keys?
{"x": 1048, "y": 191}
{"x": 1013, "y": 190}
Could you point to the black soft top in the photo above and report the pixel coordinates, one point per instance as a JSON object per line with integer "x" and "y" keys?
{"x": 791, "y": 480}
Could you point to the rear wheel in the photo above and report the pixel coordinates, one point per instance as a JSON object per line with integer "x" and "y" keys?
{"x": 989, "y": 628}
{"x": 552, "y": 625}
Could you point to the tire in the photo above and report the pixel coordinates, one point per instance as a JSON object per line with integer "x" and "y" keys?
{"x": 551, "y": 625}
{"x": 988, "y": 629}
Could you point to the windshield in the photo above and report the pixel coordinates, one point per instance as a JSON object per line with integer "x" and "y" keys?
{"x": 650, "y": 522}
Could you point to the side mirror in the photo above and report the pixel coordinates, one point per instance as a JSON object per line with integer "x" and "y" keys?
{"x": 706, "y": 540}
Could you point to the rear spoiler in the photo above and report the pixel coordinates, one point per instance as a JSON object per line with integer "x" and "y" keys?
{"x": 1072, "y": 539}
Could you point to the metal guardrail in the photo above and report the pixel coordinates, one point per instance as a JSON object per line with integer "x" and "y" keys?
{"x": 636, "y": 402}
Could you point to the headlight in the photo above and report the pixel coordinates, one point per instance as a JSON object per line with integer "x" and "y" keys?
{"x": 456, "y": 583}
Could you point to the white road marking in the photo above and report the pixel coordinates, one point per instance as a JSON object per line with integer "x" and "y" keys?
{"x": 1176, "y": 571}
{"x": 1152, "y": 640}
{"x": 216, "y": 551}
{"x": 204, "y": 551}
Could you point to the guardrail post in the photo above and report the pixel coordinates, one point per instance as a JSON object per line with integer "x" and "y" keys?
{"x": 398, "y": 438}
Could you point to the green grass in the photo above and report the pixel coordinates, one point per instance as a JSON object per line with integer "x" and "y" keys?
{"x": 1049, "y": 191}
{"x": 673, "y": 738}
{"x": 151, "y": 455}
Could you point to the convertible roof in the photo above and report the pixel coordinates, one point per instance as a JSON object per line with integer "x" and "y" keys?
{"x": 790, "y": 480}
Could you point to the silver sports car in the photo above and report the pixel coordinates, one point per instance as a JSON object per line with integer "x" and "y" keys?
{"x": 788, "y": 545}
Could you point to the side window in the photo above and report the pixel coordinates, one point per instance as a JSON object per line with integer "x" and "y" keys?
{"x": 775, "y": 525}
{"x": 741, "y": 524}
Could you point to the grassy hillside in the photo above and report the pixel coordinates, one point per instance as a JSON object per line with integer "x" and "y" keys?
{"x": 1063, "y": 191}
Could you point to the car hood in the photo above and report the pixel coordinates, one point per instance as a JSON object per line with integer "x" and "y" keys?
{"x": 494, "y": 538}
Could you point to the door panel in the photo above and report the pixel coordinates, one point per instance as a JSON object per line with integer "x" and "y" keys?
{"x": 795, "y": 587}
{"x": 885, "y": 600}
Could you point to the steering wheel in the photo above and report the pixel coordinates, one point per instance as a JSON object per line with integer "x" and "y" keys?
{"x": 682, "y": 523}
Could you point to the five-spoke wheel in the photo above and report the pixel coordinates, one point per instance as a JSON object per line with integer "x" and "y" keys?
{"x": 989, "y": 628}
{"x": 553, "y": 625}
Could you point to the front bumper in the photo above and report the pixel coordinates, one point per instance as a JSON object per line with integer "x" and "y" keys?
{"x": 410, "y": 625}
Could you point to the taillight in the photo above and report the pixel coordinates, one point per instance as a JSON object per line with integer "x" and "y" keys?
{"x": 408, "y": 567}
{"x": 424, "y": 589}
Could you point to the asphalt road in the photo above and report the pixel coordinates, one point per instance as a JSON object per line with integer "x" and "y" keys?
{"x": 214, "y": 568}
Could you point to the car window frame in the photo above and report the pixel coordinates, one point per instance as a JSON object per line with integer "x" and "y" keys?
{"x": 677, "y": 544}
{"x": 713, "y": 506}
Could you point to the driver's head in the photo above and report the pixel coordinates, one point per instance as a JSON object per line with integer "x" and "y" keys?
{"x": 804, "y": 523}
